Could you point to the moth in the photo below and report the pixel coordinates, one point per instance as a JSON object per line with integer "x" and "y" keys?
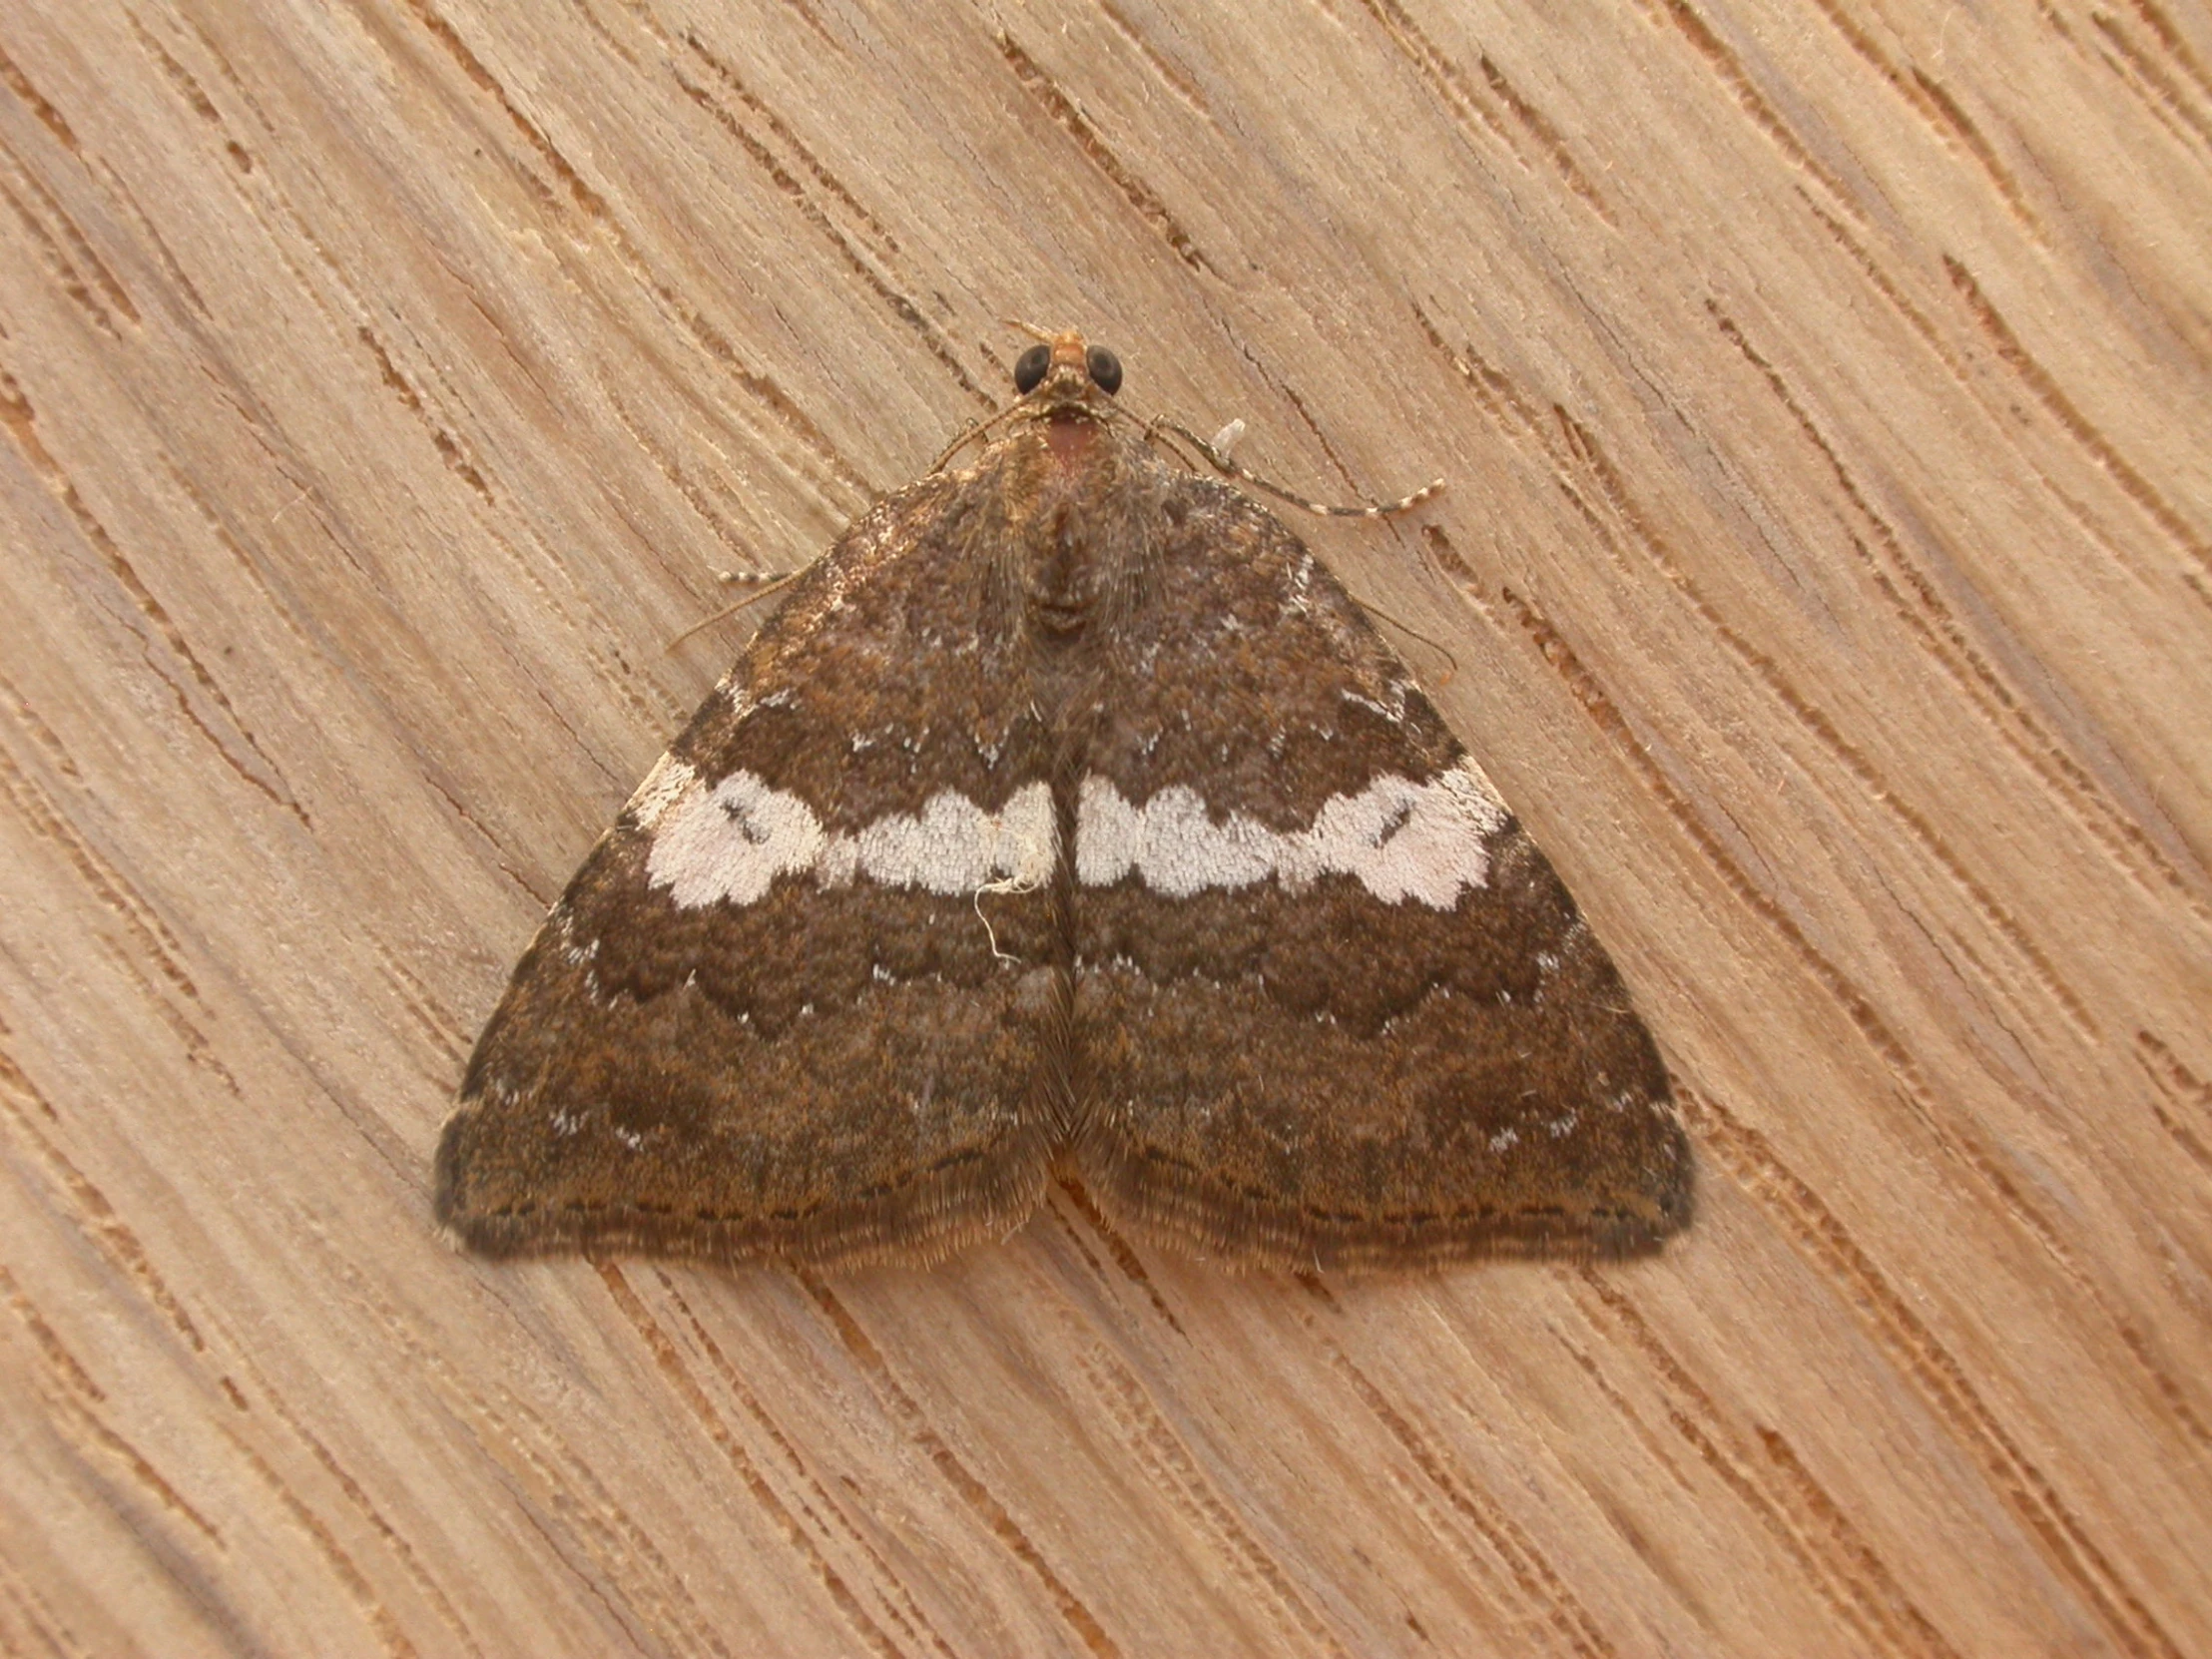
{"x": 1067, "y": 820}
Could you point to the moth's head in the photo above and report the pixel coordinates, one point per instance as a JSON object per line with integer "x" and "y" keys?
{"x": 1063, "y": 372}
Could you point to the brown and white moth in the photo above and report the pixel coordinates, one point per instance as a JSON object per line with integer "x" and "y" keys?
{"x": 1068, "y": 819}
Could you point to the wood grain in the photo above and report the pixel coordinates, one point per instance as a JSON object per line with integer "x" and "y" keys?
{"x": 1825, "y": 575}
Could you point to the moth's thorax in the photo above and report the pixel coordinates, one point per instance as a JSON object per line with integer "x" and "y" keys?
{"x": 1075, "y": 533}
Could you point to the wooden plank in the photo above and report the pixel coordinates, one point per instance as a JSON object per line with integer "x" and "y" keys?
{"x": 1827, "y": 577}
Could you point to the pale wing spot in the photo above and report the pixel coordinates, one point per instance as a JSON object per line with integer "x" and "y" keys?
{"x": 1168, "y": 841}
{"x": 952, "y": 846}
{"x": 728, "y": 845}
{"x": 839, "y": 861}
{"x": 730, "y": 842}
{"x": 1029, "y": 836}
{"x": 946, "y": 848}
{"x": 1472, "y": 791}
{"x": 662, "y": 787}
{"x": 1401, "y": 839}
{"x": 1109, "y": 834}
{"x": 1412, "y": 840}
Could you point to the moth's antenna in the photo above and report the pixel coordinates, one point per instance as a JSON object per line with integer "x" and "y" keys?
{"x": 969, "y": 433}
{"x": 1218, "y": 459}
{"x": 1216, "y": 453}
{"x": 1452, "y": 669}
{"x": 767, "y": 585}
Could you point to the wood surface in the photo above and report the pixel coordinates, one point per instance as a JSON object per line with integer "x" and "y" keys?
{"x": 1826, "y": 576}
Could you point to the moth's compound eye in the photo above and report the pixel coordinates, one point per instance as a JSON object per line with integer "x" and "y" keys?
{"x": 1029, "y": 368}
{"x": 1105, "y": 369}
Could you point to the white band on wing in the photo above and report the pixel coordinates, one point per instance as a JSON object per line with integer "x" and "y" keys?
{"x": 729, "y": 843}
{"x": 1403, "y": 839}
